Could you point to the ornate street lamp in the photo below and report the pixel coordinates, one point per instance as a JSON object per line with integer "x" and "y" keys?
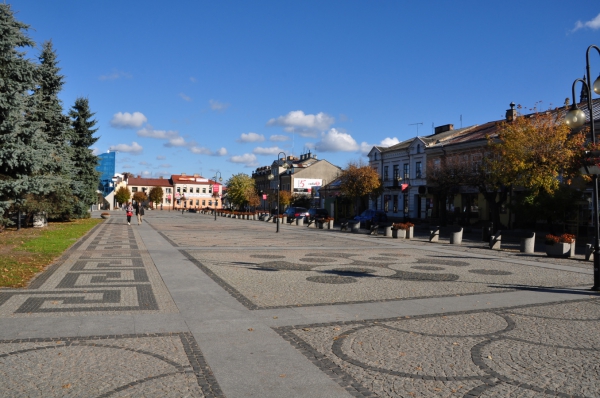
{"x": 217, "y": 193}
{"x": 576, "y": 118}
{"x": 271, "y": 177}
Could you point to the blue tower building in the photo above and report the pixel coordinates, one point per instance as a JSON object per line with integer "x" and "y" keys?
{"x": 106, "y": 167}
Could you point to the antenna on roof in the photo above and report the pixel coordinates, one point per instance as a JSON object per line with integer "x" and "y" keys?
{"x": 412, "y": 124}
{"x": 461, "y": 121}
{"x": 432, "y": 127}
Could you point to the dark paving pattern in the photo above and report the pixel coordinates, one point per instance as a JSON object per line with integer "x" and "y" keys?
{"x": 527, "y": 351}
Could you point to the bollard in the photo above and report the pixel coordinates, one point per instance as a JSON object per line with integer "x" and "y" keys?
{"x": 387, "y": 231}
{"x": 528, "y": 244}
{"x": 456, "y": 237}
{"x": 434, "y": 235}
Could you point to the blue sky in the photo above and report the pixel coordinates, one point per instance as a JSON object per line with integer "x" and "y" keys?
{"x": 201, "y": 86}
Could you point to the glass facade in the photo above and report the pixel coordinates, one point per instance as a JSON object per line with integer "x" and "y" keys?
{"x": 106, "y": 167}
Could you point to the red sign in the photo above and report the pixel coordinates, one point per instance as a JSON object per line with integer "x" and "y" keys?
{"x": 264, "y": 196}
{"x": 216, "y": 188}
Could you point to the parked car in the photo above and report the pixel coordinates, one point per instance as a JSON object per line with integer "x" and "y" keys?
{"x": 313, "y": 214}
{"x": 295, "y": 212}
{"x": 374, "y": 216}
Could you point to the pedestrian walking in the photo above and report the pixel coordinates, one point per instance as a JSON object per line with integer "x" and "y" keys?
{"x": 129, "y": 213}
{"x": 139, "y": 212}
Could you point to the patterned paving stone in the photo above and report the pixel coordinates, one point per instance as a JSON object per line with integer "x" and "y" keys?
{"x": 109, "y": 271}
{"x": 157, "y": 365}
{"x": 510, "y": 352}
{"x": 301, "y": 278}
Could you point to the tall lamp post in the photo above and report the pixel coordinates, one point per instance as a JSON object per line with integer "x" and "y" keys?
{"x": 220, "y": 179}
{"x": 272, "y": 177}
{"x": 576, "y": 118}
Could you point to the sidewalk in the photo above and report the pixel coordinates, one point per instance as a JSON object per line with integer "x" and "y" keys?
{"x": 184, "y": 305}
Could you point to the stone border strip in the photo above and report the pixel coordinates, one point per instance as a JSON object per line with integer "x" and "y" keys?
{"x": 204, "y": 375}
{"x": 165, "y": 237}
{"x": 356, "y": 389}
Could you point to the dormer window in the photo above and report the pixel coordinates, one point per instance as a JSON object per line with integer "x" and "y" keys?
{"x": 375, "y": 156}
{"x": 418, "y": 148}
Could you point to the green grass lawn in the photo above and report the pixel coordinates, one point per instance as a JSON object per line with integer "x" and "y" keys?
{"x": 25, "y": 253}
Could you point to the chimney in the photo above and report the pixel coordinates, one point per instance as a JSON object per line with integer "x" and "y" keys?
{"x": 139, "y": 176}
{"x": 444, "y": 128}
{"x": 511, "y": 114}
{"x": 160, "y": 177}
{"x": 183, "y": 174}
{"x": 196, "y": 175}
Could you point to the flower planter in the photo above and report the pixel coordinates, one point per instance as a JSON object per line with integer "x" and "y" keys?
{"x": 559, "y": 249}
{"x": 387, "y": 231}
{"x": 330, "y": 224}
{"x": 410, "y": 232}
{"x": 105, "y": 216}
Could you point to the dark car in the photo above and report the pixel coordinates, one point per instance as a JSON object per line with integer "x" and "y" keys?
{"x": 314, "y": 214}
{"x": 375, "y": 216}
{"x": 295, "y": 212}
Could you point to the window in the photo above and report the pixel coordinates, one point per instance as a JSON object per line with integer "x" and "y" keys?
{"x": 144, "y": 189}
{"x": 197, "y": 202}
{"x": 418, "y": 148}
{"x": 406, "y": 205}
{"x": 395, "y": 204}
{"x": 178, "y": 189}
{"x": 436, "y": 164}
{"x": 396, "y": 172}
{"x": 203, "y": 190}
{"x": 168, "y": 190}
{"x": 418, "y": 169}
{"x": 385, "y": 173}
{"x": 406, "y": 171}
{"x": 184, "y": 189}
{"x": 204, "y": 203}
{"x": 133, "y": 189}
{"x": 375, "y": 156}
{"x": 209, "y": 189}
{"x": 210, "y": 202}
{"x": 197, "y": 190}
{"x": 216, "y": 202}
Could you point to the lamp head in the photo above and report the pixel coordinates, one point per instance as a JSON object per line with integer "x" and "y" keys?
{"x": 575, "y": 117}
{"x": 596, "y": 85}
{"x": 271, "y": 177}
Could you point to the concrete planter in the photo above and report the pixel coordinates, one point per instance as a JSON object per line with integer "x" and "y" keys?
{"x": 410, "y": 233}
{"x": 40, "y": 220}
{"x": 319, "y": 224}
{"x": 330, "y": 224}
{"x": 398, "y": 233}
{"x": 559, "y": 249}
{"x": 456, "y": 237}
{"x": 105, "y": 216}
{"x": 387, "y": 231}
{"x": 354, "y": 226}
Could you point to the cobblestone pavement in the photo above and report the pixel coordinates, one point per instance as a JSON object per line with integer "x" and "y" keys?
{"x": 184, "y": 305}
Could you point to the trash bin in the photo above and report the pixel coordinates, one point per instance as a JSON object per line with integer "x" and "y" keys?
{"x": 487, "y": 231}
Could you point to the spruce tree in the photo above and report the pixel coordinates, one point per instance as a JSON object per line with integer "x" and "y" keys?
{"x": 46, "y": 108}
{"x": 24, "y": 151}
{"x": 84, "y": 161}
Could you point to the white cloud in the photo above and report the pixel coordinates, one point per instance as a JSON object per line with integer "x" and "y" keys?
{"x": 185, "y": 97}
{"x": 134, "y": 148}
{"x": 336, "y": 141}
{"x": 126, "y": 120}
{"x": 274, "y": 150}
{"x": 193, "y": 79}
{"x": 591, "y": 24}
{"x": 127, "y": 166}
{"x": 247, "y": 159}
{"x": 176, "y": 142}
{"x": 95, "y": 151}
{"x": 115, "y": 74}
{"x": 251, "y": 137}
{"x": 218, "y": 105}
{"x": 144, "y": 163}
{"x": 305, "y": 125}
{"x": 165, "y": 166}
{"x": 389, "y": 141}
{"x": 146, "y": 173}
{"x": 148, "y": 131}
{"x": 365, "y": 148}
{"x": 205, "y": 151}
{"x": 160, "y": 157}
{"x": 124, "y": 160}
{"x": 279, "y": 138}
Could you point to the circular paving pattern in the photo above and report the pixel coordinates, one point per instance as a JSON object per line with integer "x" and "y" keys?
{"x": 285, "y": 265}
{"x": 333, "y": 280}
{"x": 489, "y": 272}
{"x": 317, "y": 260}
{"x": 428, "y": 267}
{"x": 331, "y": 254}
{"x": 439, "y": 261}
{"x": 381, "y": 258}
{"x": 266, "y": 256}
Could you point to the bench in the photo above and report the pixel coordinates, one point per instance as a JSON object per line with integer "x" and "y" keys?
{"x": 526, "y": 240}
{"x": 456, "y": 234}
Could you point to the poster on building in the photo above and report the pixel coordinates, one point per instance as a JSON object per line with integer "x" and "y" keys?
{"x": 216, "y": 188}
{"x": 307, "y": 183}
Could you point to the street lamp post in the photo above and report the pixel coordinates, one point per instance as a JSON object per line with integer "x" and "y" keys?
{"x": 272, "y": 177}
{"x": 576, "y": 118}
{"x": 220, "y": 179}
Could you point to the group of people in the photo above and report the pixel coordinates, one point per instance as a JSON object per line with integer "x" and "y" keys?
{"x": 139, "y": 212}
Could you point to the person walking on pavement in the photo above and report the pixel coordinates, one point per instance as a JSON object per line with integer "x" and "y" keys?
{"x": 139, "y": 212}
{"x": 129, "y": 213}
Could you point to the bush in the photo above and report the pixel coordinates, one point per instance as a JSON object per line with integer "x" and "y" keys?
{"x": 564, "y": 238}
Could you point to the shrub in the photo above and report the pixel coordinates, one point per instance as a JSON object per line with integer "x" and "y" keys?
{"x": 403, "y": 225}
{"x": 564, "y": 238}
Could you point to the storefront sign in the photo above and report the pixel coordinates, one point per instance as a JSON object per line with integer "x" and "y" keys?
{"x": 307, "y": 183}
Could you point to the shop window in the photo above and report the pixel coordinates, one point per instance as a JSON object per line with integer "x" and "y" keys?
{"x": 395, "y": 204}
{"x": 204, "y": 203}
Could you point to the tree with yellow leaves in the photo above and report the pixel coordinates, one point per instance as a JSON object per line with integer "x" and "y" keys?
{"x": 358, "y": 181}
